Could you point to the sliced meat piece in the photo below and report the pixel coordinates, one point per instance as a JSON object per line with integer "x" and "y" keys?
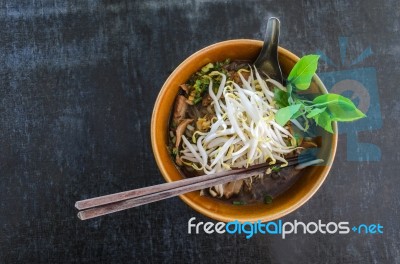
{"x": 178, "y": 160}
{"x": 245, "y": 75}
{"x": 236, "y": 77}
{"x": 232, "y": 188}
{"x": 206, "y": 100}
{"x": 179, "y": 109}
{"x": 308, "y": 144}
{"x": 228, "y": 189}
{"x": 238, "y": 187}
{"x": 180, "y": 130}
{"x": 185, "y": 87}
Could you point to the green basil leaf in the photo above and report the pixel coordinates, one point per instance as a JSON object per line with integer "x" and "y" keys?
{"x": 340, "y": 107}
{"x": 281, "y": 98}
{"x": 324, "y": 120}
{"x": 297, "y": 100}
{"x": 296, "y": 115}
{"x": 284, "y": 114}
{"x": 315, "y": 111}
{"x": 301, "y": 74}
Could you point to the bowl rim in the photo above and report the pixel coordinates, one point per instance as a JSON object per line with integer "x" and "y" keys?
{"x": 213, "y": 215}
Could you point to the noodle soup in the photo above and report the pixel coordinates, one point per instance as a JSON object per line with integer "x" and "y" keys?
{"x": 224, "y": 118}
{"x": 306, "y": 183}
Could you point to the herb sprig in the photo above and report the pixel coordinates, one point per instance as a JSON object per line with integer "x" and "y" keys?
{"x": 323, "y": 109}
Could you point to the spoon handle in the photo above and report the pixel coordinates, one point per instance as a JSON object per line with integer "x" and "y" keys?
{"x": 267, "y": 60}
{"x": 271, "y": 41}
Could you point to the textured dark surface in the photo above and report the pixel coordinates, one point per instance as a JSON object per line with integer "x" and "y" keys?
{"x": 78, "y": 83}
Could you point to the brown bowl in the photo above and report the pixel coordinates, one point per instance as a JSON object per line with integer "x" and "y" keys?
{"x": 310, "y": 178}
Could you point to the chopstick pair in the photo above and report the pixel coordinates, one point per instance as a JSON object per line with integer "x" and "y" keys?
{"x": 107, "y": 204}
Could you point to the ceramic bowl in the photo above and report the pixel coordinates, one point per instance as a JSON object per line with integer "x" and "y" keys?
{"x": 310, "y": 179}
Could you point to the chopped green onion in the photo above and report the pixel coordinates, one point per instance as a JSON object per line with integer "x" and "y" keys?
{"x": 268, "y": 199}
{"x": 196, "y": 100}
{"x": 276, "y": 168}
{"x": 207, "y": 68}
{"x": 238, "y": 202}
{"x": 175, "y": 151}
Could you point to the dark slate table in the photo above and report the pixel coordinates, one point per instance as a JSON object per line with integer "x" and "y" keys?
{"x": 78, "y": 83}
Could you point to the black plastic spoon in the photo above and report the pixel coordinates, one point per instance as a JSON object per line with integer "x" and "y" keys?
{"x": 267, "y": 61}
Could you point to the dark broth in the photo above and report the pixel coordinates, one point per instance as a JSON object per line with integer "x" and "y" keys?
{"x": 273, "y": 185}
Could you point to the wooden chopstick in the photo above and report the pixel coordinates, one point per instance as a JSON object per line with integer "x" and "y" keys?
{"x": 120, "y": 201}
{"x": 117, "y": 197}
